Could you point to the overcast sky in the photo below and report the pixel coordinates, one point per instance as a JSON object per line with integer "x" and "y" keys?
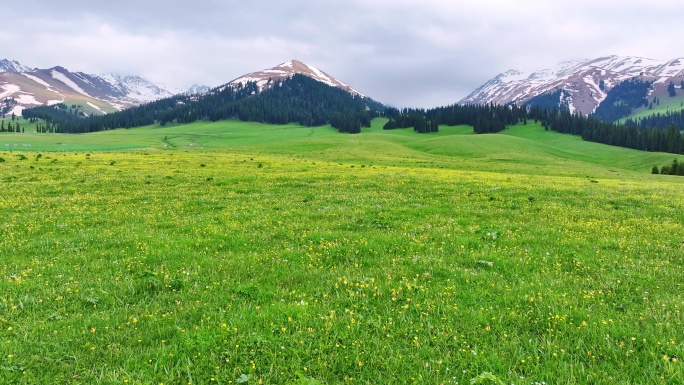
{"x": 421, "y": 53}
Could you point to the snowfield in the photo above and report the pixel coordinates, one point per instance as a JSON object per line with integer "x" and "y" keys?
{"x": 95, "y": 107}
{"x": 9, "y": 90}
{"x": 38, "y": 80}
{"x": 68, "y": 82}
{"x": 27, "y": 99}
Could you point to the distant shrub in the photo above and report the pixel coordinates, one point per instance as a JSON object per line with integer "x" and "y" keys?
{"x": 675, "y": 168}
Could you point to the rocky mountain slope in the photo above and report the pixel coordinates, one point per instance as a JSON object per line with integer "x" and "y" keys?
{"x": 28, "y": 87}
{"x": 585, "y": 82}
{"x": 13, "y": 66}
{"x": 285, "y": 70}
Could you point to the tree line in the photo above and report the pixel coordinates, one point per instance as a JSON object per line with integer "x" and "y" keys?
{"x": 675, "y": 168}
{"x": 494, "y": 118}
{"x": 668, "y": 139}
{"x": 659, "y": 120}
{"x": 487, "y": 118}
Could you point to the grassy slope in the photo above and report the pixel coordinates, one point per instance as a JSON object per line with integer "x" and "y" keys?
{"x": 522, "y": 149}
{"x": 667, "y": 103}
{"x": 280, "y": 252}
{"x": 29, "y": 128}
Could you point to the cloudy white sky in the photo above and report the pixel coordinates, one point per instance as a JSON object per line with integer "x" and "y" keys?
{"x": 408, "y": 53}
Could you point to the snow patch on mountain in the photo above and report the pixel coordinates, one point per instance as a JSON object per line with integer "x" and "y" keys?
{"x": 37, "y": 80}
{"x": 96, "y": 107}
{"x": 26, "y": 99}
{"x": 16, "y": 110}
{"x": 9, "y": 90}
{"x": 197, "y": 89}
{"x": 580, "y": 78}
{"x": 13, "y": 66}
{"x": 68, "y": 82}
{"x": 287, "y": 69}
{"x": 136, "y": 88}
{"x": 52, "y": 86}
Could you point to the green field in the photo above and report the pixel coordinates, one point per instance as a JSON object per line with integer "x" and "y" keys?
{"x": 243, "y": 253}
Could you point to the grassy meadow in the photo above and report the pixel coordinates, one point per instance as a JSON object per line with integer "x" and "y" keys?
{"x": 235, "y": 253}
{"x": 667, "y": 104}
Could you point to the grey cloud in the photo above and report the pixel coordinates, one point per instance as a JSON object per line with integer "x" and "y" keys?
{"x": 402, "y": 52}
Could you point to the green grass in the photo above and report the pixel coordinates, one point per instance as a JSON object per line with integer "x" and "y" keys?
{"x": 520, "y": 149}
{"x": 667, "y": 104}
{"x": 281, "y": 254}
{"x": 25, "y": 124}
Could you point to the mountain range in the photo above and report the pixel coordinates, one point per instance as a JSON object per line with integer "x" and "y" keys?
{"x": 585, "y": 82}
{"x": 96, "y": 94}
{"x": 31, "y": 87}
{"x": 292, "y": 92}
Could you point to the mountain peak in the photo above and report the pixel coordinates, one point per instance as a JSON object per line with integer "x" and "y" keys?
{"x": 586, "y": 81}
{"x": 286, "y": 70}
{"x": 13, "y": 66}
{"x": 98, "y": 93}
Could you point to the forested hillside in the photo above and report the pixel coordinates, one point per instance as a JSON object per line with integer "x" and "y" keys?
{"x": 298, "y": 99}
{"x": 622, "y": 99}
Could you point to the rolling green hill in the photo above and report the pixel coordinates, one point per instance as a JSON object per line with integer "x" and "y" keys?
{"x": 520, "y": 149}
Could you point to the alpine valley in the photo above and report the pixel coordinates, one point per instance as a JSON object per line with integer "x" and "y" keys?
{"x": 580, "y": 85}
{"x": 94, "y": 94}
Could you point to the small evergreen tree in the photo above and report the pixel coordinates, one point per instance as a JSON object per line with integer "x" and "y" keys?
{"x": 671, "y": 89}
{"x": 655, "y": 170}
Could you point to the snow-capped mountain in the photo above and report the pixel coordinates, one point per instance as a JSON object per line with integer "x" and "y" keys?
{"x": 137, "y": 88}
{"x": 285, "y": 70}
{"x": 585, "y": 81}
{"x": 13, "y": 66}
{"x": 197, "y": 89}
{"x": 96, "y": 93}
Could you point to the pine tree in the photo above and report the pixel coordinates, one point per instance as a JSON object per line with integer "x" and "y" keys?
{"x": 671, "y": 89}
